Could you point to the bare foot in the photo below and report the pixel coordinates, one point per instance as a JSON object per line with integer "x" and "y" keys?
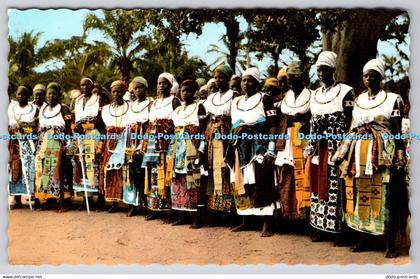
{"x": 239, "y": 228}
{"x": 178, "y": 222}
{"x": 391, "y": 254}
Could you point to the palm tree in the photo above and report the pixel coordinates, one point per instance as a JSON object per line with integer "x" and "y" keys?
{"x": 23, "y": 55}
{"x": 123, "y": 28}
{"x": 224, "y": 56}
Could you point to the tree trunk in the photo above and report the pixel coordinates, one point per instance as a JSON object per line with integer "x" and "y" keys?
{"x": 275, "y": 56}
{"x": 357, "y": 43}
{"x": 232, "y": 33}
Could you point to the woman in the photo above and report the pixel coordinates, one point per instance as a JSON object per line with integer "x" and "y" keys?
{"x": 331, "y": 106}
{"x": 39, "y": 95}
{"x": 155, "y": 146}
{"x": 53, "y": 179}
{"x": 250, "y": 159}
{"x": 138, "y": 121}
{"x": 88, "y": 128}
{"x": 371, "y": 162}
{"x": 23, "y": 123}
{"x": 212, "y": 86}
{"x": 184, "y": 156}
{"x": 218, "y": 106}
{"x": 114, "y": 170}
{"x": 294, "y": 120}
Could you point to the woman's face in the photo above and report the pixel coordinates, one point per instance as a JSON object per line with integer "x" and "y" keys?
{"x": 187, "y": 94}
{"x": 86, "y": 86}
{"x": 39, "y": 96}
{"x": 325, "y": 74}
{"x": 139, "y": 90}
{"x": 212, "y": 88}
{"x": 372, "y": 79}
{"x": 164, "y": 87}
{"x": 283, "y": 84}
{"x": 52, "y": 97}
{"x": 249, "y": 85}
{"x": 294, "y": 81}
{"x": 222, "y": 81}
{"x": 117, "y": 93}
{"x": 22, "y": 96}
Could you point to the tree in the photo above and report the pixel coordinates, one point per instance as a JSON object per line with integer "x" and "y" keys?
{"x": 124, "y": 28}
{"x": 354, "y": 36}
{"x": 272, "y": 31}
{"x": 24, "y": 56}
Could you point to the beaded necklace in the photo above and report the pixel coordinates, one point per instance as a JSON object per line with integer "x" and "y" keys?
{"x": 161, "y": 101}
{"x": 118, "y": 116}
{"x": 218, "y": 105}
{"x": 183, "y": 108}
{"x": 329, "y": 101}
{"x": 31, "y": 109}
{"x": 237, "y": 103}
{"x": 295, "y": 107}
{"x": 375, "y": 106}
{"x": 140, "y": 110}
{"x": 52, "y": 116}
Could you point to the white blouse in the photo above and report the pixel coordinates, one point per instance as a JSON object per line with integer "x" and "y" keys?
{"x": 186, "y": 115}
{"x": 116, "y": 116}
{"x": 17, "y": 113}
{"x": 219, "y": 104}
{"x": 91, "y": 108}
{"x": 328, "y": 101}
{"x": 51, "y": 117}
{"x": 366, "y": 109}
{"x": 248, "y": 111}
{"x": 139, "y": 111}
{"x": 291, "y": 105}
{"x": 161, "y": 108}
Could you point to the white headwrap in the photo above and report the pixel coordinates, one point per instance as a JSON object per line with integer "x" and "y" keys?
{"x": 175, "y": 87}
{"x": 204, "y": 87}
{"x": 253, "y": 72}
{"x": 327, "y": 58}
{"x": 212, "y": 80}
{"x": 375, "y": 64}
{"x": 168, "y": 77}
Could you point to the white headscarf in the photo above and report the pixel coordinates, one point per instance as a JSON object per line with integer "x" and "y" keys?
{"x": 168, "y": 77}
{"x": 175, "y": 87}
{"x": 375, "y": 64}
{"x": 253, "y": 71}
{"x": 212, "y": 80}
{"x": 327, "y": 58}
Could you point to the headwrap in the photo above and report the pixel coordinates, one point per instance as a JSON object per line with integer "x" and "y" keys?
{"x": 118, "y": 83}
{"x": 190, "y": 83}
{"x": 204, "y": 87}
{"x": 282, "y": 73}
{"x": 55, "y": 86}
{"x": 175, "y": 87}
{"x": 327, "y": 58}
{"x": 39, "y": 87}
{"x": 212, "y": 80}
{"x": 169, "y": 77}
{"x": 375, "y": 64}
{"x": 200, "y": 81}
{"x": 140, "y": 80}
{"x": 294, "y": 69}
{"x": 225, "y": 69}
{"x": 271, "y": 82}
{"x": 26, "y": 88}
{"x": 253, "y": 72}
{"x": 235, "y": 77}
{"x": 88, "y": 79}
{"x": 75, "y": 93}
